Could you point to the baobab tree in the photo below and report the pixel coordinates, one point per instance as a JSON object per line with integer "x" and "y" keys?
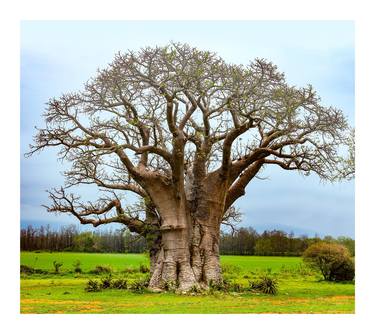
{"x": 185, "y": 132}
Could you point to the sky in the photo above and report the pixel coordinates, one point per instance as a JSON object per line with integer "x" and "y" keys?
{"x": 60, "y": 56}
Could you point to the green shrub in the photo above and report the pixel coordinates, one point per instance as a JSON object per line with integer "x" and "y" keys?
{"x": 26, "y": 269}
{"x": 77, "y": 267}
{"x": 120, "y": 284}
{"x": 218, "y": 286}
{"x": 143, "y": 268}
{"x": 139, "y": 285}
{"x": 332, "y": 260}
{"x": 101, "y": 270}
{"x": 265, "y": 285}
{"x": 106, "y": 283}
{"x": 344, "y": 272}
{"x": 236, "y": 287}
{"x": 92, "y": 286}
{"x": 130, "y": 270}
{"x": 57, "y": 266}
{"x": 225, "y": 286}
{"x": 30, "y": 270}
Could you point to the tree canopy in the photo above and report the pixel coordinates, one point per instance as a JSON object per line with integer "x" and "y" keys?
{"x": 153, "y": 114}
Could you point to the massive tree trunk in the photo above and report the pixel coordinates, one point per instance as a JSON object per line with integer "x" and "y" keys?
{"x": 188, "y": 251}
{"x": 186, "y": 258}
{"x": 188, "y": 255}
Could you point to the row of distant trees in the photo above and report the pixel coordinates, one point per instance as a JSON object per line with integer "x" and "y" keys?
{"x": 69, "y": 238}
{"x": 244, "y": 241}
{"x": 247, "y": 241}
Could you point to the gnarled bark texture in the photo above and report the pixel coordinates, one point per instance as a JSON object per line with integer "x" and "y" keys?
{"x": 188, "y": 253}
{"x": 186, "y": 257}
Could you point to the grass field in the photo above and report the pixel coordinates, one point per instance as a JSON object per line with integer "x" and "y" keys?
{"x": 300, "y": 290}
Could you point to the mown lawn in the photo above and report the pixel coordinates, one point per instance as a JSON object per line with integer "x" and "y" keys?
{"x": 300, "y": 290}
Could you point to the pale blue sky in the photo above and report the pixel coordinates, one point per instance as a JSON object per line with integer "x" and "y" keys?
{"x": 58, "y": 57}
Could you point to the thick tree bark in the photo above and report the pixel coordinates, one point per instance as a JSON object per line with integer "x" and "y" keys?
{"x": 205, "y": 254}
{"x": 188, "y": 253}
{"x": 186, "y": 259}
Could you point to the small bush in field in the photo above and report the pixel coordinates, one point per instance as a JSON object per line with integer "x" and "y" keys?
{"x": 120, "y": 284}
{"x": 225, "y": 286}
{"x": 143, "y": 268}
{"x": 102, "y": 270}
{"x": 130, "y": 270}
{"x": 139, "y": 285}
{"x": 236, "y": 287}
{"x": 332, "y": 260}
{"x": 106, "y": 283}
{"x": 57, "y": 266}
{"x": 217, "y": 286}
{"x": 77, "y": 267}
{"x": 344, "y": 272}
{"x": 26, "y": 269}
{"x": 265, "y": 285}
{"x": 92, "y": 286}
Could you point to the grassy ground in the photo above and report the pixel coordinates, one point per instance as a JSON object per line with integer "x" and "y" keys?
{"x": 300, "y": 290}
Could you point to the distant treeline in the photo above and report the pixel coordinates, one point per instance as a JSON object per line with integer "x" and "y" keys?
{"x": 69, "y": 238}
{"x": 244, "y": 241}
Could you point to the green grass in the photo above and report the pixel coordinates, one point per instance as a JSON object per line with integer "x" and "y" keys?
{"x": 44, "y": 260}
{"x": 300, "y": 291}
{"x": 117, "y": 262}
